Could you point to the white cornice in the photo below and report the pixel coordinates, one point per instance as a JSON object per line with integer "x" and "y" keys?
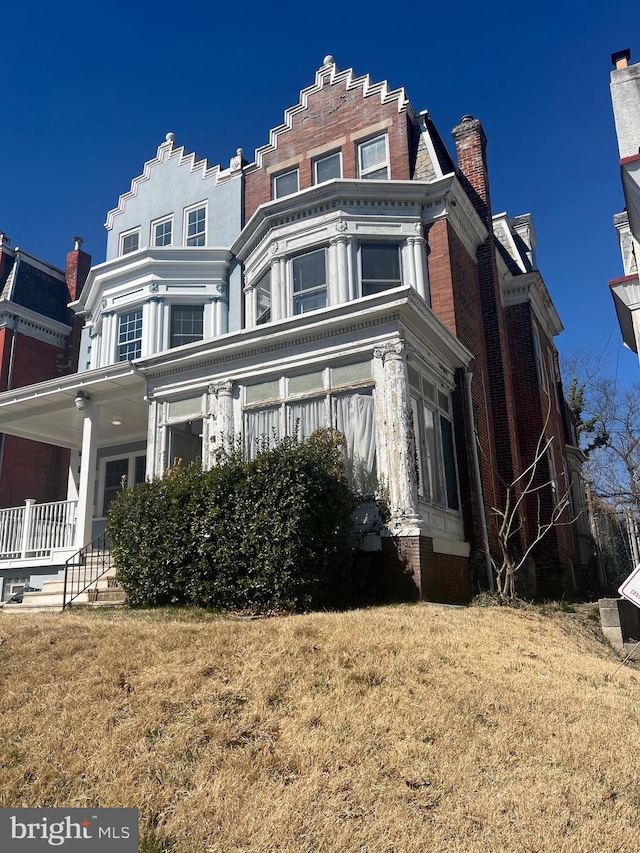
{"x": 330, "y": 74}
{"x": 355, "y": 198}
{"x": 530, "y": 287}
{"x": 187, "y": 263}
{"x": 318, "y": 326}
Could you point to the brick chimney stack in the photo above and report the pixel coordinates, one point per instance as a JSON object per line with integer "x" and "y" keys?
{"x": 78, "y": 266}
{"x": 77, "y": 270}
{"x": 471, "y": 150}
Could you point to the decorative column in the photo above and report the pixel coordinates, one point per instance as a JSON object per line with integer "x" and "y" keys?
{"x": 220, "y": 304}
{"x": 108, "y": 353}
{"x": 154, "y": 468}
{"x": 84, "y": 517}
{"x": 219, "y": 433}
{"x": 150, "y": 323}
{"x": 250, "y": 308}
{"x": 276, "y": 293}
{"x": 422, "y": 270}
{"x": 408, "y": 263}
{"x": 342, "y": 266}
{"x": 392, "y": 386}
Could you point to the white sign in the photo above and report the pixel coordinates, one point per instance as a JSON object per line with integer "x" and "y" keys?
{"x": 630, "y": 589}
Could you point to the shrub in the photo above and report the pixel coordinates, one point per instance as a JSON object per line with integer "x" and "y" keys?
{"x": 269, "y": 533}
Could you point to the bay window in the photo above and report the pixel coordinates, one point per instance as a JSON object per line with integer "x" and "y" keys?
{"x": 309, "y": 281}
{"x": 435, "y": 451}
{"x": 349, "y": 410}
{"x": 130, "y": 335}
{"x": 187, "y": 324}
{"x": 380, "y": 267}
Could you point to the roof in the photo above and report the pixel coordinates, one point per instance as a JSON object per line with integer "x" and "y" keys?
{"x": 36, "y": 286}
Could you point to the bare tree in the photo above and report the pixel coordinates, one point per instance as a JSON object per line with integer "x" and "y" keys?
{"x": 528, "y": 488}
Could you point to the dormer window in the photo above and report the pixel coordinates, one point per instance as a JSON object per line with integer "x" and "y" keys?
{"x": 130, "y": 242}
{"x": 196, "y": 225}
{"x": 373, "y": 158}
{"x": 285, "y": 184}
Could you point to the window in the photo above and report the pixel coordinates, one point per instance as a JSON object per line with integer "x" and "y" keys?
{"x": 309, "y": 282}
{"x": 542, "y": 376}
{"x": 327, "y": 168}
{"x": 373, "y": 162}
{"x": 129, "y": 242}
{"x": 308, "y": 405}
{"x": 263, "y": 295}
{"x": 438, "y": 481}
{"x": 187, "y": 324}
{"x": 130, "y": 335}
{"x": 552, "y": 378}
{"x": 114, "y": 472}
{"x": 380, "y": 267}
{"x": 285, "y": 184}
{"x": 162, "y": 232}
{"x": 128, "y": 471}
{"x": 196, "y": 226}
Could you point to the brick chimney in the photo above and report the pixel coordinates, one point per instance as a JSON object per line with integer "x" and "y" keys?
{"x": 77, "y": 270}
{"x": 471, "y": 150}
{"x": 78, "y": 266}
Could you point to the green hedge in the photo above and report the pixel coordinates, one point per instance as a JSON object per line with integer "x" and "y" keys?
{"x": 272, "y": 533}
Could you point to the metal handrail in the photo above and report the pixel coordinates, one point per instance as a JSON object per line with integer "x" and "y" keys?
{"x": 85, "y": 567}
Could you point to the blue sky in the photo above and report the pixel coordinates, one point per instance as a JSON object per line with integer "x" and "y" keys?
{"x": 89, "y": 92}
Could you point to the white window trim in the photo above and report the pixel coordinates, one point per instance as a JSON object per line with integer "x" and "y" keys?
{"x": 134, "y": 309}
{"x": 322, "y": 157}
{"x": 362, "y": 173}
{"x": 185, "y": 231}
{"x": 154, "y": 225}
{"x": 102, "y": 476}
{"x": 123, "y": 237}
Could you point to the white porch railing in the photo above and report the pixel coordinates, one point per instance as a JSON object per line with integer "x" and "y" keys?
{"x": 35, "y": 530}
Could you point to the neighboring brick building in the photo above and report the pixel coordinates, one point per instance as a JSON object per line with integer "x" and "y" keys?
{"x": 351, "y": 275}
{"x": 37, "y": 342}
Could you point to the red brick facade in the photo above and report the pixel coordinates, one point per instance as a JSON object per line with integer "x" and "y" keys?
{"x": 507, "y": 404}
{"x": 30, "y": 469}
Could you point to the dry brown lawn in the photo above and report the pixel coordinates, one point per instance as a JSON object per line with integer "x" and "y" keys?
{"x": 393, "y": 730}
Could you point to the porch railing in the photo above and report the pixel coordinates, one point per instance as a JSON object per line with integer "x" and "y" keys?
{"x": 34, "y": 530}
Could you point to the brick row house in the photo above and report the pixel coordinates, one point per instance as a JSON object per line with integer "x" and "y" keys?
{"x": 39, "y": 339}
{"x": 351, "y": 275}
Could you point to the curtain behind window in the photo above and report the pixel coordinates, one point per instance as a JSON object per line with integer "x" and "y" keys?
{"x": 355, "y": 419}
{"x": 262, "y": 426}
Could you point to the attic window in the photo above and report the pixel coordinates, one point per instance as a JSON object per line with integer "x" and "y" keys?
{"x": 373, "y": 160}
{"x": 285, "y": 184}
{"x": 130, "y": 242}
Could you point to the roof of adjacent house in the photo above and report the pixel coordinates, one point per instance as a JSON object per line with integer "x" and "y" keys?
{"x": 36, "y": 286}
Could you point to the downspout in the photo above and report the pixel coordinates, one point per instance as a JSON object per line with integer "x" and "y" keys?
{"x": 468, "y": 376}
{"x": 9, "y": 378}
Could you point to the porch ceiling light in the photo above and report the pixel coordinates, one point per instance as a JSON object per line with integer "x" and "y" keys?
{"x": 81, "y": 401}
{"x": 116, "y": 423}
